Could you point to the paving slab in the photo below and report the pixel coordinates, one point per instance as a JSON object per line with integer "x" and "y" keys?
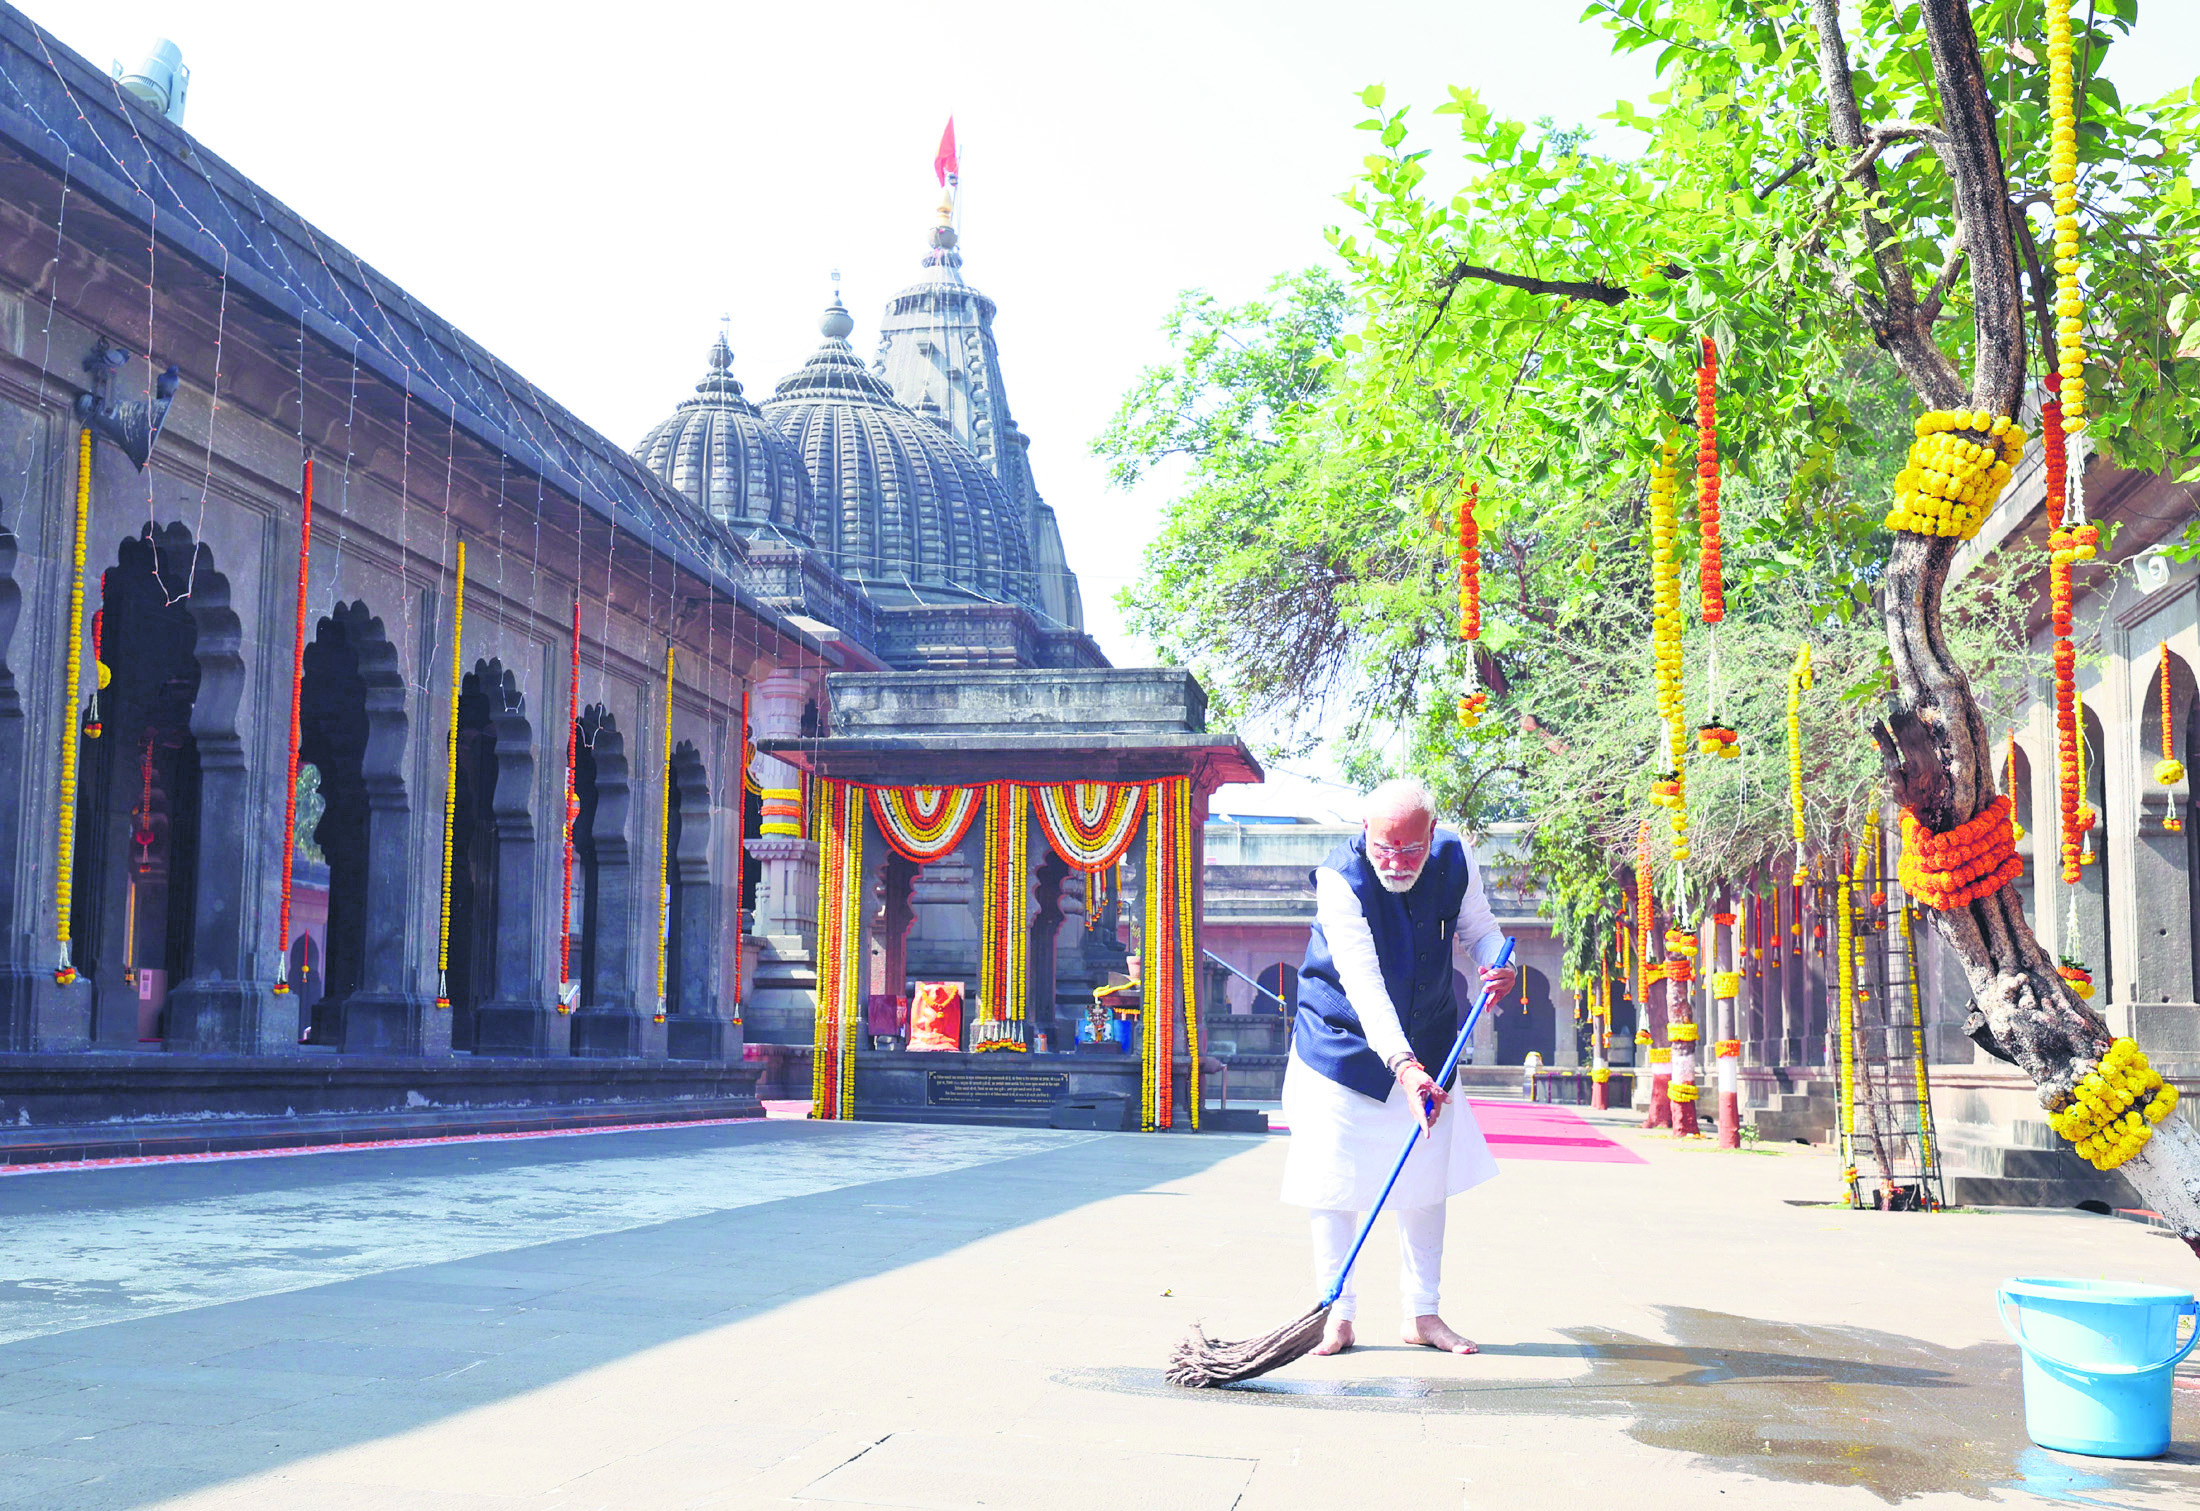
{"x": 803, "y": 1315}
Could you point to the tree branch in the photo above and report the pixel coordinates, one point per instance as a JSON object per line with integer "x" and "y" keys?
{"x": 1929, "y": 311}
{"x": 1564, "y": 288}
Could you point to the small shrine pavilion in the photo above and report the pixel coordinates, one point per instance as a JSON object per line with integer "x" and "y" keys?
{"x": 1084, "y": 793}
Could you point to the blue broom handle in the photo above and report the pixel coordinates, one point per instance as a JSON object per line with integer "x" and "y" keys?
{"x": 1451, "y": 1063}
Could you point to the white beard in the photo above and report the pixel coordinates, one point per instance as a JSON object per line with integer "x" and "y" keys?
{"x": 1399, "y": 884}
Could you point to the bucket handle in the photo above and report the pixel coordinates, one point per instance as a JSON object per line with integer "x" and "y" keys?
{"x": 2016, "y": 1330}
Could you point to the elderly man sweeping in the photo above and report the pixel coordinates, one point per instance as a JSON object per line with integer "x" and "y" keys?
{"x": 1377, "y": 1011}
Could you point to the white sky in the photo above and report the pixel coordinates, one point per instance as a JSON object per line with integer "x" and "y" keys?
{"x": 585, "y": 189}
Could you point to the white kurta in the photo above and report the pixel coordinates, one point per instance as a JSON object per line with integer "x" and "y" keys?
{"x": 1343, "y": 1144}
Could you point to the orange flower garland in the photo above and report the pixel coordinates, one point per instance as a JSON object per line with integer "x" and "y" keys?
{"x": 2168, "y": 771}
{"x": 1975, "y": 859}
{"x": 1710, "y": 576}
{"x": 1475, "y": 700}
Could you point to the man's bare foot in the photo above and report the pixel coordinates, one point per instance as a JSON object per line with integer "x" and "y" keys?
{"x": 1434, "y": 1332}
{"x": 1336, "y": 1338}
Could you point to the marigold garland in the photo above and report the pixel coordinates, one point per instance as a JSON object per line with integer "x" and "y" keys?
{"x": 2076, "y": 977}
{"x": 297, "y": 720}
{"x": 1090, "y": 825}
{"x": 1845, "y": 962}
{"x": 740, "y": 854}
{"x": 1727, "y": 1049}
{"x": 1682, "y": 1033}
{"x": 664, "y": 848}
{"x": 450, "y": 784}
{"x": 1005, "y": 925}
{"x": 1975, "y": 859}
{"x": 1470, "y": 566}
{"x": 1726, "y": 985}
{"x": 1645, "y": 911}
{"x": 921, "y": 824}
{"x": 1710, "y": 573}
{"x": 1665, "y": 639}
{"x": 2112, "y": 1113}
{"x": 1799, "y": 680}
{"x": 1167, "y": 967}
{"x": 1950, "y": 483}
{"x": 2168, "y": 771}
{"x": 65, "y": 822}
{"x": 573, "y": 809}
{"x": 2062, "y": 173}
{"x": 839, "y": 818}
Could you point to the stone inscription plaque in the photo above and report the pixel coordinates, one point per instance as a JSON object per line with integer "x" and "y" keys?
{"x": 994, "y": 1088}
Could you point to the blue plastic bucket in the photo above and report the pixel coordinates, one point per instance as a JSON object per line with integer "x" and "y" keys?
{"x": 2098, "y": 1357}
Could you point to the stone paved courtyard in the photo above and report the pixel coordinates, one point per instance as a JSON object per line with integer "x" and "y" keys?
{"x": 787, "y": 1313}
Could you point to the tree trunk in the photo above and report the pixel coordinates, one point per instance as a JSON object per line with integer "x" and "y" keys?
{"x": 1934, "y": 739}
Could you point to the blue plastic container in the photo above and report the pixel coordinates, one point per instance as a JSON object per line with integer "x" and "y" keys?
{"x": 2098, "y": 1357}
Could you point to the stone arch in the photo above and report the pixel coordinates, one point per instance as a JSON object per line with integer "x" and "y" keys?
{"x": 1280, "y": 979}
{"x": 497, "y": 1003}
{"x": 159, "y": 896}
{"x": 695, "y": 1030}
{"x": 606, "y": 1023}
{"x": 353, "y": 733}
{"x": 1530, "y": 1021}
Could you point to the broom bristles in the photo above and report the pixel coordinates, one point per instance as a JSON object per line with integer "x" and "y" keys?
{"x": 1201, "y": 1361}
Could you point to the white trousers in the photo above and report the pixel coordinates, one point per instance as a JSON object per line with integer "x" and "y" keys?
{"x": 1420, "y": 1257}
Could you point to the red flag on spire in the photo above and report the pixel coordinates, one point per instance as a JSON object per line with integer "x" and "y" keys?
{"x": 943, "y": 161}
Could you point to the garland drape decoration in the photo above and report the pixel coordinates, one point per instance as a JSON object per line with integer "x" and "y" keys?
{"x": 1975, "y": 859}
{"x": 1090, "y": 824}
{"x": 839, "y": 817}
{"x": 64, "y": 871}
{"x": 1845, "y": 962}
{"x": 566, "y": 994}
{"x": 1167, "y": 964}
{"x": 1950, "y": 483}
{"x": 740, "y": 855}
{"x": 1799, "y": 681}
{"x": 1670, "y": 791}
{"x": 924, "y": 823}
{"x": 297, "y": 719}
{"x": 2062, "y": 173}
{"x": 2112, "y": 1113}
{"x": 1710, "y": 572}
{"x": 450, "y": 787}
{"x": 664, "y": 847}
{"x": 2168, "y": 771}
{"x": 1004, "y": 934}
{"x": 1475, "y": 699}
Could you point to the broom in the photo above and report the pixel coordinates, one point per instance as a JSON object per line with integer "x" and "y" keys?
{"x": 1200, "y": 1360}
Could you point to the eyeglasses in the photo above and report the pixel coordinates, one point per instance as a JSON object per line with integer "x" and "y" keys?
{"x": 1382, "y": 851}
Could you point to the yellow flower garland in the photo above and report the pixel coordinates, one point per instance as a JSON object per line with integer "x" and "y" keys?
{"x": 1665, "y": 634}
{"x": 64, "y": 874}
{"x": 2104, "y": 1116}
{"x": 1845, "y": 961}
{"x": 450, "y": 784}
{"x": 2062, "y": 173}
{"x": 664, "y": 846}
{"x": 1951, "y": 483}
{"x": 1799, "y": 679}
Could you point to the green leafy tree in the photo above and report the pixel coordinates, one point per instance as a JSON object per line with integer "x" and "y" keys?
{"x": 1854, "y": 209}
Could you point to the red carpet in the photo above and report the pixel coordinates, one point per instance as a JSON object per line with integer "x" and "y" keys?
{"x": 1536, "y": 1130}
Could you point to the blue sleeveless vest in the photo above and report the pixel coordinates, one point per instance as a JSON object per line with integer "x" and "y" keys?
{"x": 1412, "y": 933}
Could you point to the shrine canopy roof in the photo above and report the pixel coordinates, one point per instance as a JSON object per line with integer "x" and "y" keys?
{"x": 947, "y": 729}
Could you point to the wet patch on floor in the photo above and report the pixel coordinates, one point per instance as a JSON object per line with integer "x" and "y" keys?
{"x": 1807, "y": 1405}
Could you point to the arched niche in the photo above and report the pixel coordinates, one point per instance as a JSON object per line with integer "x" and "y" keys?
{"x": 509, "y": 1012}
{"x": 165, "y": 840}
{"x": 607, "y": 1023}
{"x": 353, "y": 732}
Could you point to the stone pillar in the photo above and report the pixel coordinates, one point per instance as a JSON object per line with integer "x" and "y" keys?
{"x": 519, "y": 1018}
{"x": 608, "y": 1022}
{"x": 697, "y": 1024}
{"x": 228, "y": 1005}
{"x": 782, "y": 1006}
{"x": 1048, "y": 882}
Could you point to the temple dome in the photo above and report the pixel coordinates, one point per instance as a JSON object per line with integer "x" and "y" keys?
{"x": 719, "y": 450}
{"x": 903, "y": 508}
